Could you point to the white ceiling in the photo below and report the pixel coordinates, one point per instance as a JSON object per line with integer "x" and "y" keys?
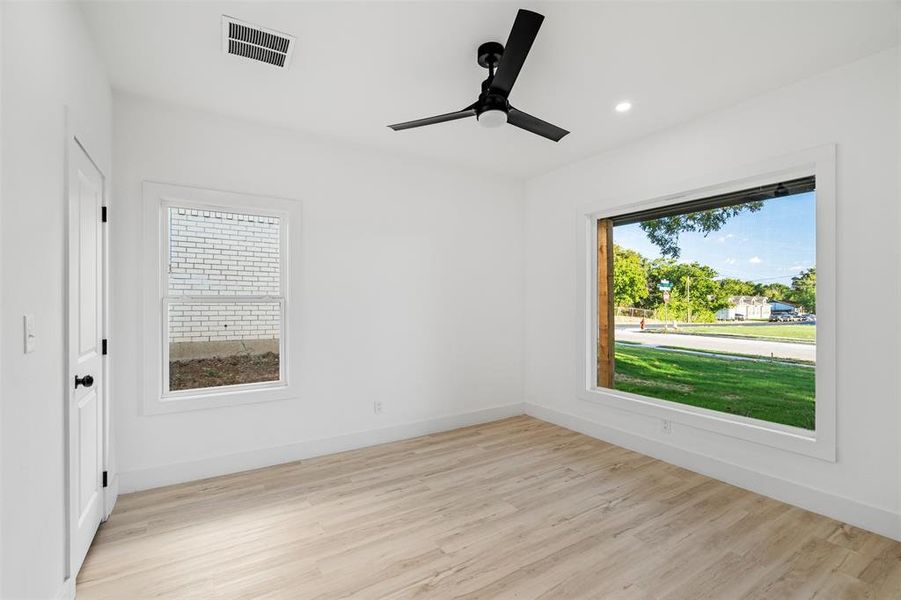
{"x": 360, "y": 66}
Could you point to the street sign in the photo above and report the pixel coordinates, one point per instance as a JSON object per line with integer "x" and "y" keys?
{"x": 665, "y": 286}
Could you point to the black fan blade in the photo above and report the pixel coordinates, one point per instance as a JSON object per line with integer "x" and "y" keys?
{"x": 460, "y": 114}
{"x": 525, "y": 28}
{"x": 535, "y": 125}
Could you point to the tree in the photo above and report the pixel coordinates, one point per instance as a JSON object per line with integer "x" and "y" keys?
{"x": 737, "y": 287}
{"x": 773, "y": 291}
{"x": 630, "y": 280}
{"x": 706, "y": 295}
{"x": 804, "y": 289}
{"x": 664, "y": 232}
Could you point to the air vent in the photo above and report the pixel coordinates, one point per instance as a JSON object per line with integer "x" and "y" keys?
{"x": 256, "y": 43}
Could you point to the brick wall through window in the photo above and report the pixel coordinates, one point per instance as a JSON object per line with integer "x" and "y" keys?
{"x": 222, "y": 254}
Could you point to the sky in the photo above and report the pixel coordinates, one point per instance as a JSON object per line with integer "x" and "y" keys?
{"x": 769, "y": 246}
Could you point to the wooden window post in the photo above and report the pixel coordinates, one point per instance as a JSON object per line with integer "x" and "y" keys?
{"x": 605, "y": 303}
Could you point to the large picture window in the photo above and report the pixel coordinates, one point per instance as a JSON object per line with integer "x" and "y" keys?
{"x": 712, "y": 303}
{"x": 224, "y": 302}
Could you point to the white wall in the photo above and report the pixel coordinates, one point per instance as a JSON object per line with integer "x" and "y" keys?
{"x": 855, "y": 107}
{"x": 2, "y": 378}
{"x": 39, "y": 80}
{"x": 898, "y": 281}
{"x": 2, "y": 131}
{"x": 413, "y": 293}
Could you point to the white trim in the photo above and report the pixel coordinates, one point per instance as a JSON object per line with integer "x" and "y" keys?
{"x": 67, "y": 590}
{"x": 142, "y": 479}
{"x": 898, "y": 279}
{"x": 67, "y": 367}
{"x": 872, "y": 518}
{"x": 110, "y": 494}
{"x": 157, "y": 197}
{"x": 820, "y": 443}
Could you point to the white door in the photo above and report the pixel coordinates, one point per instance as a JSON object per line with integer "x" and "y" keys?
{"x": 85, "y": 332}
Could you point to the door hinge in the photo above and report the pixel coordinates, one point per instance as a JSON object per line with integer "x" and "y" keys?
{"x": 105, "y": 483}
{"x": 103, "y": 216}
{"x": 103, "y": 347}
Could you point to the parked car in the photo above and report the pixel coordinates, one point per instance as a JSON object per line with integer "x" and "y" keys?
{"x": 738, "y": 317}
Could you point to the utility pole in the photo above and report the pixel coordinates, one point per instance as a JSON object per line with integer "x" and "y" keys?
{"x": 688, "y": 294}
{"x": 665, "y": 314}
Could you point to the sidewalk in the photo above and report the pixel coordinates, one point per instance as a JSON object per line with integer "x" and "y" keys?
{"x": 765, "y": 348}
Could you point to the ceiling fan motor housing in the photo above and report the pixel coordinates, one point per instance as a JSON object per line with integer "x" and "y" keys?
{"x": 490, "y": 54}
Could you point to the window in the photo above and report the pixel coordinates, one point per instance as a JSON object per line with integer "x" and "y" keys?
{"x": 712, "y": 303}
{"x": 218, "y": 311}
{"x": 745, "y": 343}
{"x": 224, "y": 300}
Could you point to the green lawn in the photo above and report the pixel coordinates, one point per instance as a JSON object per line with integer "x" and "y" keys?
{"x": 769, "y": 390}
{"x": 802, "y": 333}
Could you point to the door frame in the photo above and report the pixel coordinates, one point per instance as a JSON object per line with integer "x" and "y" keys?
{"x": 74, "y": 143}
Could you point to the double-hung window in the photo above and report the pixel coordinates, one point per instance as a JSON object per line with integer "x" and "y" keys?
{"x": 224, "y": 303}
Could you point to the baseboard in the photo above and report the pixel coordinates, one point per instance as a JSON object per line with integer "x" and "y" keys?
{"x": 843, "y": 509}
{"x": 67, "y": 590}
{"x": 143, "y": 479}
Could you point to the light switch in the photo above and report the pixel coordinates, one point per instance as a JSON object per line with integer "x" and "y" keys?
{"x": 30, "y": 334}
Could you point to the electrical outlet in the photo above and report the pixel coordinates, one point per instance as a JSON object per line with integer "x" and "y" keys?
{"x": 666, "y": 426}
{"x": 377, "y": 407}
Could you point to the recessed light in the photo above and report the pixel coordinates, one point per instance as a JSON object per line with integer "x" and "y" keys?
{"x": 624, "y": 106}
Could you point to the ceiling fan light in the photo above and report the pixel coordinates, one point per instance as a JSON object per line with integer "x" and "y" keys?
{"x": 492, "y": 117}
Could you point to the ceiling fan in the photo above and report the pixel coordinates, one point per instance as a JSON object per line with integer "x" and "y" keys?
{"x": 492, "y": 109}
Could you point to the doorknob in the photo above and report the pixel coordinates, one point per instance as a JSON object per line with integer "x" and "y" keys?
{"x": 87, "y": 381}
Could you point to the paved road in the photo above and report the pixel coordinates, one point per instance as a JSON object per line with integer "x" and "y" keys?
{"x": 710, "y": 343}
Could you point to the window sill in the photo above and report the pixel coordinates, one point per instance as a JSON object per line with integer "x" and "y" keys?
{"x": 774, "y": 435}
{"x": 189, "y": 400}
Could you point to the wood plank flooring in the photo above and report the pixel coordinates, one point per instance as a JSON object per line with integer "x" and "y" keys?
{"x": 518, "y": 508}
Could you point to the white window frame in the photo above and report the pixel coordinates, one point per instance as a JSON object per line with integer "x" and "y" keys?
{"x": 158, "y": 199}
{"x": 820, "y": 443}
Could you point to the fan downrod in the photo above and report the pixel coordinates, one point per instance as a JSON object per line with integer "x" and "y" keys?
{"x": 490, "y": 54}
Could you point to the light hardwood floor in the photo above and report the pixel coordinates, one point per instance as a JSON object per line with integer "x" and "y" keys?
{"x": 518, "y": 508}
